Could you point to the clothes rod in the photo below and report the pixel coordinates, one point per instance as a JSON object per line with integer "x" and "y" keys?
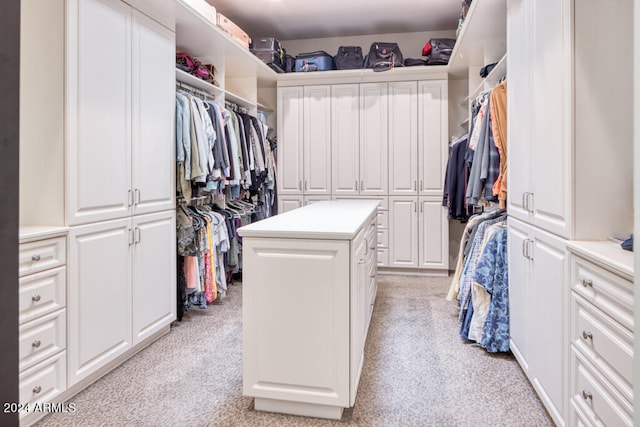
{"x": 193, "y": 90}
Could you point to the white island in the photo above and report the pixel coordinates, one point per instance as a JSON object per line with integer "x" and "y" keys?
{"x": 309, "y": 285}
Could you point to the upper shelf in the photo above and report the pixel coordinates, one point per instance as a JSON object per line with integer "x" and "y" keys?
{"x": 204, "y": 40}
{"x": 483, "y": 35}
{"x": 363, "y": 75}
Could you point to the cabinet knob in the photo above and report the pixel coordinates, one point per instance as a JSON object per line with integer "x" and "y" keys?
{"x": 36, "y": 298}
{"x": 586, "y": 395}
{"x": 587, "y": 335}
{"x": 587, "y": 283}
{"x": 36, "y": 344}
{"x": 362, "y": 261}
{"x": 36, "y": 258}
{"x": 37, "y": 389}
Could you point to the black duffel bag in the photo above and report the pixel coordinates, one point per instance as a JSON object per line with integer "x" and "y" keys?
{"x": 438, "y": 51}
{"x": 384, "y": 56}
{"x": 349, "y": 58}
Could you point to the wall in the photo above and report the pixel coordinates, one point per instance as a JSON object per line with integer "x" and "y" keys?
{"x": 9, "y": 147}
{"x": 636, "y": 193}
{"x": 411, "y": 44}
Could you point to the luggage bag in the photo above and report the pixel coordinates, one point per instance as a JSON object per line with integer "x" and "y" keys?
{"x": 270, "y": 51}
{"x": 229, "y": 27}
{"x": 314, "y": 61}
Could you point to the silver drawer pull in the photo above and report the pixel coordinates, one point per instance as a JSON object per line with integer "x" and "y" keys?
{"x": 362, "y": 261}
{"x": 36, "y": 258}
{"x": 36, "y": 344}
{"x": 36, "y": 298}
{"x": 586, "y": 395}
{"x": 587, "y": 283}
{"x": 37, "y": 389}
{"x": 587, "y": 335}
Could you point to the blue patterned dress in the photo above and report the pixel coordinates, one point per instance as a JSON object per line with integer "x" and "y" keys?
{"x": 492, "y": 273}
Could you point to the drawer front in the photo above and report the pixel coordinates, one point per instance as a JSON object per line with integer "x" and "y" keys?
{"x": 383, "y": 219}
{"x": 42, "y": 338}
{"x": 597, "y": 399}
{"x": 383, "y": 257}
{"x": 578, "y": 418}
{"x": 42, "y": 255}
{"x": 42, "y": 293}
{"x": 44, "y": 381}
{"x": 605, "y": 343}
{"x": 383, "y": 238}
{"x": 610, "y": 293}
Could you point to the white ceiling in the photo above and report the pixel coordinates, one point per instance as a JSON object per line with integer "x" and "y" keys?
{"x": 306, "y": 19}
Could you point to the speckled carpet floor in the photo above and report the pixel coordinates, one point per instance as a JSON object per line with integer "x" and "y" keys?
{"x": 417, "y": 372}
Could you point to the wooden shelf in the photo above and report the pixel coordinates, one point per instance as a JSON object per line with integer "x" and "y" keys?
{"x": 205, "y": 41}
{"x": 238, "y": 100}
{"x": 199, "y": 84}
{"x": 498, "y": 72}
{"x": 485, "y": 25}
{"x": 264, "y": 108}
{"x": 421, "y": 72}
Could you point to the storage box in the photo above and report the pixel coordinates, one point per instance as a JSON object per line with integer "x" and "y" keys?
{"x": 229, "y": 27}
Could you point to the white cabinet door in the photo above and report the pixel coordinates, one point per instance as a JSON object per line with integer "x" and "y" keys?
{"x": 153, "y": 104}
{"x": 403, "y": 139}
{"x": 313, "y": 199}
{"x": 289, "y": 203}
{"x": 345, "y": 139}
{"x": 518, "y": 109}
{"x": 317, "y": 140}
{"x": 99, "y": 299}
{"x": 98, "y": 105}
{"x": 290, "y": 137}
{"x": 549, "y": 322}
{"x": 434, "y": 234}
{"x": 374, "y": 139}
{"x": 433, "y": 128}
{"x": 403, "y": 231}
{"x": 154, "y": 273}
{"x": 551, "y": 104}
{"x": 519, "y": 298}
{"x": 359, "y": 284}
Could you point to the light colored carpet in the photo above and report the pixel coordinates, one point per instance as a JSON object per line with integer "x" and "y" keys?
{"x": 417, "y": 372}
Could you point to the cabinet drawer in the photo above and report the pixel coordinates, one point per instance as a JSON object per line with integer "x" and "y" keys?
{"x": 42, "y": 293}
{"x": 577, "y": 417}
{"x": 383, "y": 256}
{"x": 44, "y": 381}
{"x": 42, "y": 338}
{"x": 383, "y": 238}
{"x": 595, "y": 397}
{"x": 605, "y": 343}
{"x": 383, "y": 219}
{"x": 41, "y": 255}
{"x": 607, "y": 291}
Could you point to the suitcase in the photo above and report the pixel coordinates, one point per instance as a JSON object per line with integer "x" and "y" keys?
{"x": 229, "y": 27}
{"x": 314, "y": 61}
{"x": 204, "y": 9}
{"x": 272, "y": 59}
{"x": 289, "y": 64}
{"x": 270, "y": 51}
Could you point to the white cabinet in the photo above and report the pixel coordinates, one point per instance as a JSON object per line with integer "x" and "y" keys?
{"x": 317, "y": 140}
{"x": 403, "y": 138}
{"x": 311, "y": 366}
{"x": 433, "y": 124}
{"x": 418, "y": 233}
{"x": 42, "y": 338}
{"x": 287, "y": 203}
{"x": 374, "y": 139}
{"x": 119, "y": 116}
{"x": 433, "y": 240}
{"x": 304, "y": 127}
{"x": 538, "y": 302}
{"x": 345, "y": 136}
{"x": 122, "y": 289}
{"x": 290, "y": 137}
{"x": 100, "y": 290}
{"x": 602, "y": 333}
{"x": 403, "y": 244}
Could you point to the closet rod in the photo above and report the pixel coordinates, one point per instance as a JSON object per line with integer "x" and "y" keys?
{"x": 194, "y": 91}
{"x": 235, "y": 107}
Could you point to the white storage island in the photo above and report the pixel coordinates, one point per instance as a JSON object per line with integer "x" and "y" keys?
{"x": 309, "y": 285}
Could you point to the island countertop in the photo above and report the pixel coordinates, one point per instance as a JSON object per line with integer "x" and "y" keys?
{"x": 334, "y": 219}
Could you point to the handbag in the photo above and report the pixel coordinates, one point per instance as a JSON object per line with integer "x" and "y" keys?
{"x": 384, "y": 56}
{"x": 438, "y": 51}
{"x": 349, "y": 58}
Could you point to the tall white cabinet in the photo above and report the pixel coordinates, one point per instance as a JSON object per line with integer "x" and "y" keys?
{"x": 388, "y": 142}
{"x": 569, "y": 135}
{"x": 110, "y": 153}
